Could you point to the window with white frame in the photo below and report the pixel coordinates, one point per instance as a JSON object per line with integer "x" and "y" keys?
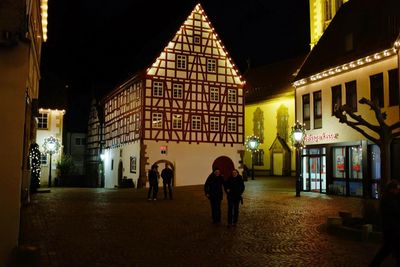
{"x": 214, "y": 124}
{"x": 158, "y": 89}
{"x": 156, "y": 120}
{"x": 214, "y": 94}
{"x": 176, "y": 121}
{"x": 43, "y": 159}
{"x": 232, "y": 97}
{"x": 196, "y": 122}
{"x": 177, "y": 90}
{"x": 232, "y": 125}
{"x": 181, "y": 62}
{"x": 211, "y": 65}
{"x": 43, "y": 120}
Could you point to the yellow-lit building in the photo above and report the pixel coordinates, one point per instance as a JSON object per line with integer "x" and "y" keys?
{"x": 50, "y": 123}
{"x": 269, "y": 115}
{"x": 23, "y": 28}
{"x": 357, "y": 56}
{"x": 321, "y": 14}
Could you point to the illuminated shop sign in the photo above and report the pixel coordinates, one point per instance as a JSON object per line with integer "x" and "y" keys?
{"x": 315, "y": 138}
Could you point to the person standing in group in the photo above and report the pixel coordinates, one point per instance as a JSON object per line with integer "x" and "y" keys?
{"x": 153, "y": 182}
{"x": 167, "y": 174}
{"x": 213, "y": 191}
{"x": 390, "y": 216}
{"x": 234, "y": 188}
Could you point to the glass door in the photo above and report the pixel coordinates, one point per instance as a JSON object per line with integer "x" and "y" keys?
{"x": 313, "y": 167}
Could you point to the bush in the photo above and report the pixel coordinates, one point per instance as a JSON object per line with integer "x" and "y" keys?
{"x": 65, "y": 166}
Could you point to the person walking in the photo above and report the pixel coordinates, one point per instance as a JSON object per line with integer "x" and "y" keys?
{"x": 213, "y": 191}
{"x": 234, "y": 188}
{"x": 153, "y": 182}
{"x": 390, "y": 215}
{"x": 167, "y": 174}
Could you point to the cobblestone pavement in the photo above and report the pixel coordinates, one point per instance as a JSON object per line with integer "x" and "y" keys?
{"x": 120, "y": 227}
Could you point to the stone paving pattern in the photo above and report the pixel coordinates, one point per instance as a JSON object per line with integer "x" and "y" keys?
{"x": 82, "y": 227}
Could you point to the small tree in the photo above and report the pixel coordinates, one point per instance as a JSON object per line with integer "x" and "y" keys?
{"x": 386, "y": 133}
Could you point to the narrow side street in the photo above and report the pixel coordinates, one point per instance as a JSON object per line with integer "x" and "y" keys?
{"x": 99, "y": 227}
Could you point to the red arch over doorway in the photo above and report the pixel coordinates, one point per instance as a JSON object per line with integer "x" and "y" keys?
{"x": 225, "y": 164}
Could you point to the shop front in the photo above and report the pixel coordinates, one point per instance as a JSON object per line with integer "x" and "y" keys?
{"x": 347, "y": 169}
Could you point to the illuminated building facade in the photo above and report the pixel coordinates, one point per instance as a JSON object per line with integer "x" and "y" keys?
{"x": 270, "y": 115}
{"x": 50, "y": 123}
{"x": 23, "y": 28}
{"x": 185, "y": 110}
{"x": 351, "y": 61}
{"x": 321, "y": 14}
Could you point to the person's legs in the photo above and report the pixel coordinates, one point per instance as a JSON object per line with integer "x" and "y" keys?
{"x": 165, "y": 190}
{"x": 235, "y": 210}
{"x": 230, "y": 211}
{"x": 170, "y": 190}
{"x": 150, "y": 191}
{"x": 155, "y": 191}
{"x": 382, "y": 253}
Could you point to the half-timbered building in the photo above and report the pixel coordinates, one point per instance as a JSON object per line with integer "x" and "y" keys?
{"x": 185, "y": 110}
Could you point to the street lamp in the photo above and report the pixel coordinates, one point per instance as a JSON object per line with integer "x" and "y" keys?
{"x": 298, "y": 134}
{"x": 252, "y": 144}
{"x": 51, "y": 146}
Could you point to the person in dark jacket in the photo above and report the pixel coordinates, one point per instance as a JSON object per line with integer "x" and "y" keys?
{"x": 167, "y": 174}
{"x": 390, "y": 216}
{"x": 213, "y": 191}
{"x": 153, "y": 182}
{"x": 234, "y": 188}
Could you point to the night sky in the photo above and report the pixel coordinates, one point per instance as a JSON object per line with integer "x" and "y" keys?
{"x": 93, "y": 45}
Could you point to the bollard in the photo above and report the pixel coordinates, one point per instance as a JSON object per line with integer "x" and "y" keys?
{"x": 366, "y": 230}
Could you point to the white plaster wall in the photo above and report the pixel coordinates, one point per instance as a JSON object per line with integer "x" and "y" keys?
{"x": 193, "y": 162}
{"x": 330, "y": 124}
{"x": 128, "y": 150}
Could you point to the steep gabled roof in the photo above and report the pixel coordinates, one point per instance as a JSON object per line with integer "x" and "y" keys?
{"x": 271, "y": 80}
{"x": 364, "y": 26}
{"x": 155, "y": 46}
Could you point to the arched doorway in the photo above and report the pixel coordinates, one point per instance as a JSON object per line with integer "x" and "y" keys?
{"x": 120, "y": 171}
{"x": 225, "y": 164}
{"x": 161, "y": 165}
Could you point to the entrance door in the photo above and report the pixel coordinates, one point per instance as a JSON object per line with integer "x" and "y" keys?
{"x": 313, "y": 169}
{"x": 278, "y": 164}
{"x": 225, "y": 164}
{"x": 315, "y": 173}
{"x": 120, "y": 170}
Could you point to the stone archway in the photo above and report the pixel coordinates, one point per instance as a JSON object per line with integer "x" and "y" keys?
{"x": 161, "y": 165}
{"x": 225, "y": 164}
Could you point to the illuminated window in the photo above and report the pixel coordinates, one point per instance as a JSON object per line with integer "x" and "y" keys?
{"x": 232, "y": 125}
{"x": 177, "y": 90}
{"x": 196, "y": 122}
{"x": 181, "y": 62}
{"x": 176, "y": 121}
{"x": 336, "y": 97}
{"x": 43, "y": 159}
{"x": 214, "y": 94}
{"x": 306, "y": 111}
{"x": 214, "y": 124}
{"x": 232, "y": 97}
{"x": 43, "y": 120}
{"x": 158, "y": 89}
{"x": 211, "y": 65}
{"x": 317, "y": 110}
{"x": 258, "y": 158}
{"x": 157, "y": 120}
